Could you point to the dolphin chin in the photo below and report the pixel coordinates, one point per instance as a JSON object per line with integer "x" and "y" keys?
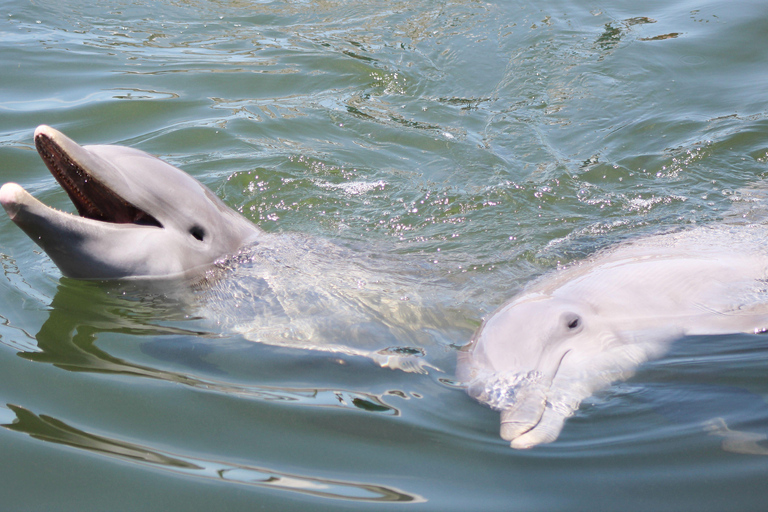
{"x": 137, "y": 216}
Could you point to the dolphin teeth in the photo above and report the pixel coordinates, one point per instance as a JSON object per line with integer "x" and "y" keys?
{"x": 92, "y": 199}
{"x": 84, "y": 205}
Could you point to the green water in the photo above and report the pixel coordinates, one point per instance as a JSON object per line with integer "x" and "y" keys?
{"x": 487, "y": 141}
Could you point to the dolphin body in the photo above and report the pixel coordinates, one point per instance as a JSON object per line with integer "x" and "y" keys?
{"x": 143, "y": 219}
{"x": 578, "y": 329}
{"x": 139, "y": 216}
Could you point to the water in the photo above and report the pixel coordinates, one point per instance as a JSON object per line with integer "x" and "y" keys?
{"x": 484, "y": 142}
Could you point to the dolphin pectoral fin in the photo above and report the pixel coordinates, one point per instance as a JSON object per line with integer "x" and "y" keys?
{"x": 736, "y": 441}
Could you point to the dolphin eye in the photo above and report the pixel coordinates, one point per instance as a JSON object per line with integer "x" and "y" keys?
{"x": 572, "y": 321}
{"x": 197, "y": 232}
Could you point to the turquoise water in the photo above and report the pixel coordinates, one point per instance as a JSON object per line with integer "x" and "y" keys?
{"x": 482, "y": 143}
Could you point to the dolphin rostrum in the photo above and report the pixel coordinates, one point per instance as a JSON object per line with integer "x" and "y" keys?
{"x": 578, "y": 329}
{"x": 139, "y": 216}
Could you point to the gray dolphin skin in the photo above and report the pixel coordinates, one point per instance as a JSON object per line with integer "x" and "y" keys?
{"x": 578, "y": 329}
{"x": 139, "y": 217}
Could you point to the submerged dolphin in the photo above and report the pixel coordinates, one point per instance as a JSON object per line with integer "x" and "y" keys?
{"x": 578, "y": 329}
{"x": 139, "y": 216}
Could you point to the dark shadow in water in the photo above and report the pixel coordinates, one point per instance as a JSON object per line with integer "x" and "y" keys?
{"x": 81, "y": 311}
{"x": 616, "y": 31}
{"x": 47, "y": 428}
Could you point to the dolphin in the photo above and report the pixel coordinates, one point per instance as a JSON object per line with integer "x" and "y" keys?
{"x": 139, "y": 217}
{"x": 142, "y": 219}
{"x": 578, "y": 329}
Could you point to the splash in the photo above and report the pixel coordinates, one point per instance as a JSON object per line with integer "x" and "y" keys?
{"x": 503, "y": 390}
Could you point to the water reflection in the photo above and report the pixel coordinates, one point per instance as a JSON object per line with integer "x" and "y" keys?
{"x": 50, "y": 429}
{"x": 80, "y": 312}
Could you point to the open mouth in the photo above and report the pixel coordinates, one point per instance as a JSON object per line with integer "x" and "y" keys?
{"x": 92, "y": 199}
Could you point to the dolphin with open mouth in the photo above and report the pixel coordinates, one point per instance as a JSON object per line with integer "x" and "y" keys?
{"x": 139, "y": 217}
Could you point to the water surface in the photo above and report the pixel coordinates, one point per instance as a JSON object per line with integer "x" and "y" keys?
{"x": 478, "y": 144}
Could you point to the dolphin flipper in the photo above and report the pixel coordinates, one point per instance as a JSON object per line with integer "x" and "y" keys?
{"x": 736, "y": 441}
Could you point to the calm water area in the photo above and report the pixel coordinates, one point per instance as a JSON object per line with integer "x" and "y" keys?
{"x": 479, "y": 144}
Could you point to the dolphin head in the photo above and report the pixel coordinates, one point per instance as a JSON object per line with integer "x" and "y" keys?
{"x": 530, "y": 336}
{"x": 531, "y": 354}
{"x": 139, "y": 217}
{"x": 537, "y": 357}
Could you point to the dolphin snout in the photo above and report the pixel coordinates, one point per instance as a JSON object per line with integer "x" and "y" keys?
{"x": 11, "y": 197}
{"x": 525, "y": 413}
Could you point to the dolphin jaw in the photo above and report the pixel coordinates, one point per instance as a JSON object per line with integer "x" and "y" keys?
{"x": 12, "y": 196}
{"x": 92, "y": 199}
{"x": 33, "y": 216}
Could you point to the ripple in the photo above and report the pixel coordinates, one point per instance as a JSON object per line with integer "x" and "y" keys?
{"x": 52, "y": 430}
{"x": 354, "y": 188}
{"x": 55, "y": 103}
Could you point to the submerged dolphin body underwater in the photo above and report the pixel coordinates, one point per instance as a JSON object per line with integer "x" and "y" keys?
{"x": 578, "y": 329}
